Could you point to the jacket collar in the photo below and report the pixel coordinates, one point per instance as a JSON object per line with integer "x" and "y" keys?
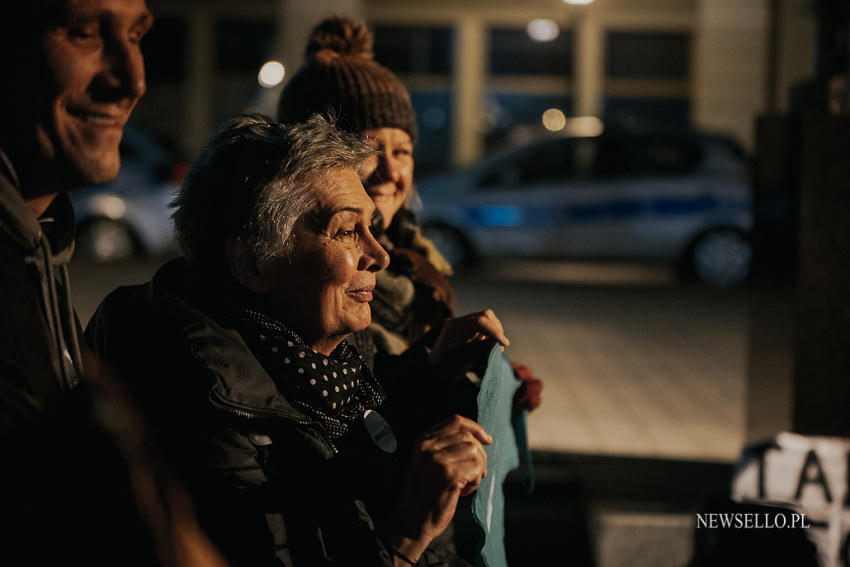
{"x": 16, "y": 219}
{"x": 240, "y": 380}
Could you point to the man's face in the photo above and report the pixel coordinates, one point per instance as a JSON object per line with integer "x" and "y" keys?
{"x": 94, "y": 76}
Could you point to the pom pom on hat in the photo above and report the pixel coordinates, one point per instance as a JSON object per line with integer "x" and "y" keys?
{"x": 342, "y": 36}
{"x": 341, "y": 78}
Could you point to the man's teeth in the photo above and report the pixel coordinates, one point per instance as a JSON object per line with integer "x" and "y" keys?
{"x": 100, "y": 120}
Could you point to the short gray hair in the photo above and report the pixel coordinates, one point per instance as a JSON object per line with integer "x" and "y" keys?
{"x": 254, "y": 179}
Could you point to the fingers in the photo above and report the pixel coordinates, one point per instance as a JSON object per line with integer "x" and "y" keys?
{"x": 467, "y": 340}
{"x": 488, "y": 326}
{"x": 458, "y": 423}
{"x": 455, "y": 447}
{"x": 451, "y": 451}
{"x": 522, "y": 372}
{"x": 528, "y": 396}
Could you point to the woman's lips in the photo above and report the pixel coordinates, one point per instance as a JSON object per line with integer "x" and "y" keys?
{"x": 376, "y": 193}
{"x": 363, "y": 294}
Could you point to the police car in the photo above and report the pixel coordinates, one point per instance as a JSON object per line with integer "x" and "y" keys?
{"x": 683, "y": 198}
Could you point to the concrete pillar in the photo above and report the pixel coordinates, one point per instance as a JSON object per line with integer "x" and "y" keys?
{"x": 199, "y": 84}
{"x": 470, "y": 56}
{"x": 776, "y": 188}
{"x": 800, "y": 324}
{"x": 797, "y": 35}
{"x": 729, "y": 90}
{"x": 822, "y": 322}
{"x": 589, "y": 67}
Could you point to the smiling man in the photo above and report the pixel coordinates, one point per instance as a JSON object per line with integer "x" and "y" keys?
{"x": 78, "y": 485}
{"x": 78, "y": 73}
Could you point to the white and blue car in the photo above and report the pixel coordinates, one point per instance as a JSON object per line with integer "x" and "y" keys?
{"x": 653, "y": 196}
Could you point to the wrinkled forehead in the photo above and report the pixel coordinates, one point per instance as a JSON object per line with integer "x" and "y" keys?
{"x": 24, "y": 22}
{"x": 340, "y": 189}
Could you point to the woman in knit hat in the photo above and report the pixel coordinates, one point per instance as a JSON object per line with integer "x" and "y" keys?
{"x": 340, "y": 77}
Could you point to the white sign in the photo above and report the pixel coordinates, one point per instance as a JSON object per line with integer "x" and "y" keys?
{"x": 808, "y": 474}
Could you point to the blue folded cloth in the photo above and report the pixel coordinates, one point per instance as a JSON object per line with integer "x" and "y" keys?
{"x": 508, "y": 451}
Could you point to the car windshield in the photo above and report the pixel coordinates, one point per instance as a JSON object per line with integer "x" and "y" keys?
{"x": 591, "y": 158}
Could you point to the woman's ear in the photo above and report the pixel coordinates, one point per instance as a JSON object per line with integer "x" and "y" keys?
{"x": 243, "y": 267}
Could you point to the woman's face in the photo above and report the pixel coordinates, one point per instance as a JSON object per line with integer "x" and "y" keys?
{"x": 324, "y": 292}
{"x": 388, "y": 178}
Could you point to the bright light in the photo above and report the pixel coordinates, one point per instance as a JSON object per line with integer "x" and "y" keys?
{"x": 271, "y": 74}
{"x": 109, "y": 205}
{"x": 583, "y": 126}
{"x": 578, "y": 2}
{"x": 542, "y": 30}
{"x": 554, "y": 120}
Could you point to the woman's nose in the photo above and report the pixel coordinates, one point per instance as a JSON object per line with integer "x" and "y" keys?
{"x": 390, "y": 170}
{"x": 374, "y": 258}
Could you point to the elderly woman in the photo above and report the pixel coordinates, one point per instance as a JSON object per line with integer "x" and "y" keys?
{"x": 295, "y": 453}
{"x": 413, "y": 296}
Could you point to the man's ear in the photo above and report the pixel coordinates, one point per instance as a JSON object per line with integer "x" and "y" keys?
{"x": 243, "y": 267}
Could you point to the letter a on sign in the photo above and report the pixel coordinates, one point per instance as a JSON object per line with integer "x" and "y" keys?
{"x": 819, "y": 478}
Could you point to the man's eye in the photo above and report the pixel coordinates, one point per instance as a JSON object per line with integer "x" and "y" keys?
{"x": 84, "y": 32}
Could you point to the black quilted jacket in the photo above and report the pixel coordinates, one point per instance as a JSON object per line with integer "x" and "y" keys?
{"x": 268, "y": 486}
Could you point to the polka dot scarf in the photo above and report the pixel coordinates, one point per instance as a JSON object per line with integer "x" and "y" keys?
{"x": 335, "y": 390}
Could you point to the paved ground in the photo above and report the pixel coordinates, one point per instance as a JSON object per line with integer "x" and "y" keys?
{"x": 633, "y": 363}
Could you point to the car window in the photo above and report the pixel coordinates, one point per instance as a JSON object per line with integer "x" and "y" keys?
{"x": 540, "y": 163}
{"x": 581, "y": 159}
{"x": 662, "y": 156}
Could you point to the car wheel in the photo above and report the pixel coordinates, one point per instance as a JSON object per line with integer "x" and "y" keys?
{"x": 105, "y": 240}
{"x": 451, "y": 243}
{"x": 721, "y": 257}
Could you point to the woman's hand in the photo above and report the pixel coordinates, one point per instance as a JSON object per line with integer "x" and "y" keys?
{"x": 466, "y": 341}
{"x": 447, "y": 462}
{"x": 528, "y": 395}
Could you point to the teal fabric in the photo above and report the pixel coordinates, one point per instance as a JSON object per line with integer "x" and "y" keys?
{"x": 508, "y": 451}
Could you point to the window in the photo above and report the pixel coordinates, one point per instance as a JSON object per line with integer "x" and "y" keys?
{"x": 543, "y": 162}
{"x": 658, "y": 155}
{"x": 605, "y": 157}
{"x": 243, "y": 46}
{"x": 647, "y": 55}
{"x": 408, "y": 50}
{"x": 164, "y": 48}
{"x": 643, "y": 111}
{"x": 512, "y": 52}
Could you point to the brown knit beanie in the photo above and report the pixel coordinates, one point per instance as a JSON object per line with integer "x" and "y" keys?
{"x": 340, "y": 78}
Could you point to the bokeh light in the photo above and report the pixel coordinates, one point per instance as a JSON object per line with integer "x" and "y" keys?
{"x": 271, "y": 74}
{"x": 578, "y": 2}
{"x": 584, "y": 126}
{"x": 554, "y": 120}
{"x": 542, "y": 30}
{"x": 434, "y": 118}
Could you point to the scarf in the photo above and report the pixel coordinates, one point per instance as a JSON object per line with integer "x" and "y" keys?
{"x": 335, "y": 390}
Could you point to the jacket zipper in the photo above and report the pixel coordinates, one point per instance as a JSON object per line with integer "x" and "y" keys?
{"x": 259, "y": 415}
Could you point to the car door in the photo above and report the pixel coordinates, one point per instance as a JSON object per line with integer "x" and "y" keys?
{"x": 517, "y": 202}
{"x": 570, "y": 197}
